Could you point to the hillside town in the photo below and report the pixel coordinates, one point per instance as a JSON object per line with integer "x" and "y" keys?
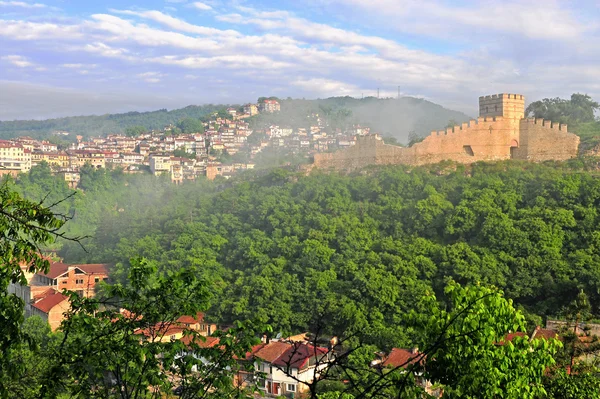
{"x": 223, "y": 147}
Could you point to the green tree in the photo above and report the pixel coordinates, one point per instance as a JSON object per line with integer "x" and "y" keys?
{"x": 134, "y": 131}
{"x": 191, "y": 125}
{"x": 579, "y": 109}
{"x": 26, "y": 227}
{"x": 468, "y": 351}
{"x": 118, "y": 345}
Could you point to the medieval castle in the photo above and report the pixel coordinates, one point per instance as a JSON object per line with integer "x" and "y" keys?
{"x": 500, "y": 132}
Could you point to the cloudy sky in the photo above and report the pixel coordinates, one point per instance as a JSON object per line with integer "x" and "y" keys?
{"x": 73, "y": 57}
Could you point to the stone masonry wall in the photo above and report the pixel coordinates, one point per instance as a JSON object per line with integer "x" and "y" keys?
{"x": 543, "y": 140}
{"x": 501, "y": 132}
{"x": 485, "y": 139}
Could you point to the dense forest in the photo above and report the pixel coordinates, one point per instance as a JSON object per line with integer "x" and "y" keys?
{"x": 368, "y": 245}
{"x": 363, "y": 256}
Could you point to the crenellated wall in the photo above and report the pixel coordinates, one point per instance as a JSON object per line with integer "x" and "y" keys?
{"x": 542, "y": 140}
{"x": 501, "y": 132}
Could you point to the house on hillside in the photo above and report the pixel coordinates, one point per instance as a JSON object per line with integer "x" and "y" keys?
{"x": 79, "y": 278}
{"x": 286, "y": 368}
{"x": 401, "y": 359}
{"x": 50, "y": 306}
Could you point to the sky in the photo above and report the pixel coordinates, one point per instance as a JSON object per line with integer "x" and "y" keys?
{"x": 81, "y": 57}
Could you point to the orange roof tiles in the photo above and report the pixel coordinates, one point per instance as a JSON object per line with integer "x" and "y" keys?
{"x": 51, "y": 298}
{"x": 399, "y": 357}
{"x": 58, "y": 268}
{"x": 297, "y": 355}
{"x": 272, "y": 351}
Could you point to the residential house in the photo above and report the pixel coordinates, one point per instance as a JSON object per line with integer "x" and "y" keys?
{"x": 13, "y": 156}
{"x": 250, "y": 109}
{"x": 400, "y": 358}
{"x": 269, "y": 106}
{"x": 160, "y": 163}
{"x": 286, "y": 368}
{"x": 50, "y": 306}
{"x": 80, "y": 278}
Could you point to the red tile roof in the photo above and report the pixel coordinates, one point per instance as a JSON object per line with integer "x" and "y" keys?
{"x": 58, "y": 268}
{"x": 399, "y": 357}
{"x": 94, "y": 268}
{"x": 298, "y": 354}
{"x": 539, "y": 333}
{"x": 191, "y": 319}
{"x": 272, "y": 351}
{"x": 209, "y": 342}
{"x": 51, "y": 298}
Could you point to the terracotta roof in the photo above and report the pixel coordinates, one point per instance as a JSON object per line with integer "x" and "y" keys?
{"x": 272, "y": 351}
{"x": 297, "y": 355}
{"x": 94, "y": 268}
{"x": 58, "y": 268}
{"x": 539, "y": 333}
{"x": 209, "y": 342}
{"x": 191, "y": 319}
{"x": 399, "y": 357}
{"x": 51, "y": 298}
{"x": 55, "y": 270}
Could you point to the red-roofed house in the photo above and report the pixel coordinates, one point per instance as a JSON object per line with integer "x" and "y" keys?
{"x": 79, "y": 278}
{"x": 168, "y": 331}
{"x": 50, "y": 306}
{"x": 400, "y": 358}
{"x": 286, "y": 365}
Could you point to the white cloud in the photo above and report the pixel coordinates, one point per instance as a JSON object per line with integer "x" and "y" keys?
{"x": 18, "y": 60}
{"x": 178, "y": 24}
{"x": 21, "y": 4}
{"x": 150, "y": 77}
{"x": 79, "y": 66}
{"x": 24, "y": 30}
{"x": 327, "y": 87}
{"x": 547, "y": 20}
{"x": 201, "y": 6}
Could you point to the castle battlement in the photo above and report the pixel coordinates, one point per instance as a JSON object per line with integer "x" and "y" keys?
{"x": 466, "y": 125}
{"x": 501, "y": 96}
{"x": 500, "y": 132}
{"x": 563, "y": 127}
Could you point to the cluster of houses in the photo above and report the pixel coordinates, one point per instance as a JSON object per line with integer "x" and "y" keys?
{"x": 278, "y": 367}
{"x": 43, "y": 295}
{"x": 198, "y": 152}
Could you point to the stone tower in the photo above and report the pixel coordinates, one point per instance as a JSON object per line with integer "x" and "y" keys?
{"x": 509, "y": 106}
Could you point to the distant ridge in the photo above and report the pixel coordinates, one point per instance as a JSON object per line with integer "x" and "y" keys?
{"x": 391, "y": 117}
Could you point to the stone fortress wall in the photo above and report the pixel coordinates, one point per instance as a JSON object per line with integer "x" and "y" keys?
{"x": 501, "y": 132}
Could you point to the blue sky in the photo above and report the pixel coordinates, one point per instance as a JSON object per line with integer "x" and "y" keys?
{"x": 75, "y": 57}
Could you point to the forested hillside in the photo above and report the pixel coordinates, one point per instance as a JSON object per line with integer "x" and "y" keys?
{"x": 98, "y": 125}
{"x": 388, "y": 116}
{"x": 358, "y": 251}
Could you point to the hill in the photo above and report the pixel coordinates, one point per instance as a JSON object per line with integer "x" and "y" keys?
{"x": 97, "y": 125}
{"x": 392, "y": 117}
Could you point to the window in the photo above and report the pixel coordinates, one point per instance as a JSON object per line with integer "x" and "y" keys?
{"x": 291, "y": 387}
{"x": 105, "y": 279}
{"x": 79, "y": 281}
{"x": 96, "y": 279}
